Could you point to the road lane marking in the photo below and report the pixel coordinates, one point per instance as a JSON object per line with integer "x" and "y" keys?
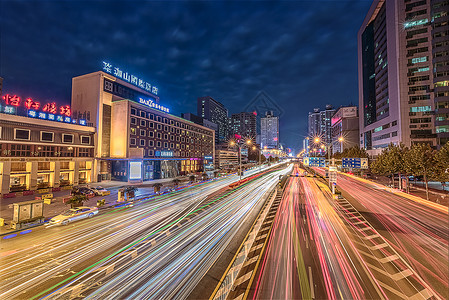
{"x": 256, "y": 247}
{"x": 250, "y": 261}
{"x": 240, "y": 297}
{"x": 396, "y": 277}
{"x": 424, "y": 294}
{"x": 392, "y": 290}
{"x": 370, "y": 237}
{"x": 261, "y": 237}
{"x": 312, "y": 290}
{"x": 381, "y": 260}
{"x": 366, "y": 228}
{"x": 242, "y": 279}
{"x": 361, "y": 222}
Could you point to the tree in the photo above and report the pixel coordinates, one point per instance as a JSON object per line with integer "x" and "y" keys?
{"x": 130, "y": 191}
{"x": 441, "y": 171}
{"x": 157, "y": 187}
{"x": 176, "y": 182}
{"x": 204, "y": 176}
{"x": 420, "y": 161}
{"x": 77, "y": 200}
{"x": 263, "y": 159}
{"x": 390, "y": 161}
{"x": 192, "y": 178}
{"x": 253, "y": 155}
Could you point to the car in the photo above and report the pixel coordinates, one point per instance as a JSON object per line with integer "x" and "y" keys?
{"x": 99, "y": 191}
{"x": 83, "y": 191}
{"x": 74, "y": 214}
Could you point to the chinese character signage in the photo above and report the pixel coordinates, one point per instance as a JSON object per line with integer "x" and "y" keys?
{"x": 13, "y": 104}
{"x": 119, "y": 73}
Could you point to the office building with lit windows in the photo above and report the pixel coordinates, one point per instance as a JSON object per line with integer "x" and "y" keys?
{"x": 345, "y": 129}
{"x": 269, "y": 131}
{"x": 210, "y": 109}
{"x": 244, "y": 124}
{"x": 440, "y": 60}
{"x": 401, "y": 47}
{"x": 137, "y": 138}
{"x": 320, "y": 124}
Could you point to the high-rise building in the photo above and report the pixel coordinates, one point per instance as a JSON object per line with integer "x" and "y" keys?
{"x": 345, "y": 129}
{"x": 396, "y": 79}
{"x": 440, "y": 61}
{"x": 244, "y": 124}
{"x": 200, "y": 121}
{"x": 320, "y": 123}
{"x": 269, "y": 131}
{"x": 314, "y": 122}
{"x": 212, "y": 110}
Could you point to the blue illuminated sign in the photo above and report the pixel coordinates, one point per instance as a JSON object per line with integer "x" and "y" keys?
{"x": 117, "y": 72}
{"x": 32, "y": 113}
{"x": 82, "y": 122}
{"x": 317, "y": 162}
{"x": 150, "y": 103}
{"x": 351, "y": 163}
{"x": 163, "y": 154}
{"x": 42, "y": 115}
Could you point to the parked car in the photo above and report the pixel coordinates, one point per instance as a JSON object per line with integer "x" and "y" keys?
{"x": 83, "y": 191}
{"x": 99, "y": 191}
{"x": 74, "y": 214}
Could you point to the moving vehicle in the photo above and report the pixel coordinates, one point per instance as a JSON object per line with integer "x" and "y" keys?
{"x": 74, "y": 214}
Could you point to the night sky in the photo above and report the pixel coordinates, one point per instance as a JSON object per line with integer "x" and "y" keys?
{"x": 303, "y": 54}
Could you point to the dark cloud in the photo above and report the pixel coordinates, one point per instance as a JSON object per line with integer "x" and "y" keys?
{"x": 302, "y": 53}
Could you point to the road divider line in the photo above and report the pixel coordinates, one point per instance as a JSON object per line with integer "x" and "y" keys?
{"x": 312, "y": 290}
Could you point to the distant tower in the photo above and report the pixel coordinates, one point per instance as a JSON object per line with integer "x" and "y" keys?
{"x": 269, "y": 131}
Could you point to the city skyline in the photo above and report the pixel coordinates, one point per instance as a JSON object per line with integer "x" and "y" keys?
{"x": 202, "y": 54}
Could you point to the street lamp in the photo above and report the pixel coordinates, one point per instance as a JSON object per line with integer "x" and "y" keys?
{"x": 341, "y": 139}
{"x": 240, "y": 143}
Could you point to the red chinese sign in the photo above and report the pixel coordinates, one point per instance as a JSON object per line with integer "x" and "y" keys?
{"x": 30, "y": 104}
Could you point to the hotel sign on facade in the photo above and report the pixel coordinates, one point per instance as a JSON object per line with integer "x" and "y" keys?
{"x": 119, "y": 73}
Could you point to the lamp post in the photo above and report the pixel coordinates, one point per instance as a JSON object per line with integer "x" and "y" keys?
{"x": 240, "y": 143}
{"x": 341, "y": 139}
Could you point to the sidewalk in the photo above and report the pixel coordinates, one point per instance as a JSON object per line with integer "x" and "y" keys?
{"x": 57, "y": 206}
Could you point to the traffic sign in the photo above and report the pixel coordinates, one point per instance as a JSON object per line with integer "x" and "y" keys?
{"x": 351, "y": 163}
{"x": 364, "y": 163}
{"x": 317, "y": 162}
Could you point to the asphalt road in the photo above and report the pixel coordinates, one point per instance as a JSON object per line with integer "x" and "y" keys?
{"x": 160, "y": 248}
{"x": 416, "y": 231}
{"x": 310, "y": 254}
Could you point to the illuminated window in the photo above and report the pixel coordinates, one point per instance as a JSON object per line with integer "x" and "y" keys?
{"x": 143, "y": 132}
{"x": 420, "y": 108}
{"x": 85, "y": 139}
{"x": 21, "y": 134}
{"x": 415, "y": 23}
{"x": 67, "y": 138}
{"x": 142, "y": 142}
{"x": 47, "y": 136}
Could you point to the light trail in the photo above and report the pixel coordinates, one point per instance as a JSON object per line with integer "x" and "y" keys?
{"x": 168, "y": 263}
